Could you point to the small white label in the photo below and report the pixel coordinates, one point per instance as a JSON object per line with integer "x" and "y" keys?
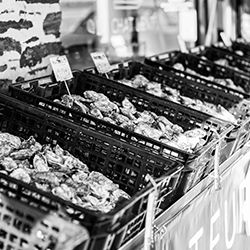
{"x": 44, "y": 81}
{"x": 101, "y": 62}
{"x": 225, "y": 39}
{"x": 61, "y": 68}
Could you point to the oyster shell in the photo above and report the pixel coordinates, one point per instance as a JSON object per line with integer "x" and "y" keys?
{"x": 9, "y": 164}
{"x": 22, "y": 154}
{"x": 21, "y": 174}
{"x": 93, "y": 96}
{"x": 12, "y": 140}
{"x": 40, "y": 162}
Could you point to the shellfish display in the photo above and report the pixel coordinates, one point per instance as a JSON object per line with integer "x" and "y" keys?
{"x": 55, "y": 170}
{"x": 125, "y": 115}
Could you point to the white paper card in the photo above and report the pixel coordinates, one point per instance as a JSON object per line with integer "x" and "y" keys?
{"x": 61, "y": 68}
{"x": 101, "y": 62}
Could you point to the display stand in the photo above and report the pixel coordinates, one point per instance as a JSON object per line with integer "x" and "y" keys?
{"x": 205, "y": 218}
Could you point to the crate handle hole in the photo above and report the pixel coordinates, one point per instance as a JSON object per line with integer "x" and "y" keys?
{"x": 3, "y": 234}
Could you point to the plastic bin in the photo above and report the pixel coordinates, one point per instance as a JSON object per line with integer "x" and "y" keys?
{"x": 187, "y": 84}
{"x": 237, "y": 46}
{"x": 245, "y": 48}
{"x": 24, "y": 227}
{"x": 125, "y": 164}
{"x": 203, "y": 67}
{"x": 235, "y": 61}
{"x": 176, "y": 113}
{"x": 88, "y": 80}
{"x": 224, "y": 95}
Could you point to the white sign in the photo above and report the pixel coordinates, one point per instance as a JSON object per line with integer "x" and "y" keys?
{"x": 101, "y": 62}
{"x": 61, "y": 68}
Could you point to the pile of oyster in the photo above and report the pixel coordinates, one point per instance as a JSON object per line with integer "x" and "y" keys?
{"x": 166, "y": 92}
{"x": 56, "y": 170}
{"x": 125, "y": 115}
{"x": 224, "y": 82}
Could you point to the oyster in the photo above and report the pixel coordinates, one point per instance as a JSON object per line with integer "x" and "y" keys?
{"x": 63, "y": 191}
{"x": 98, "y": 190}
{"x": 126, "y": 104}
{"x": 40, "y": 162}
{"x": 36, "y": 147}
{"x": 21, "y": 174}
{"x": 67, "y": 101}
{"x": 5, "y": 150}
{"x": 187, "y": 143}
{"x": 127, "y": 112}
{"x": 46, "y": 178}
{"x": 119, "y": 118}
{"x": 96, "y": 113}
{"x": 146, "y": 117}
{"x": 197, "y": 132}
{"x": 179, "y": 66}
{"x": 154, "y": 88}
{"x": 8, "y": 163}
{"x": 79, "y": 98}
{"x": 105, "y": 106}
{"x": 80, "y": 176}
{"x": 28, "y": 143}
{"x": 80, "y": 106}
{"x": 108, "y": 119}
{"x": 103, "y": 181}
{"x": 43, "y": 186}
{"x": 148, "y": 131}
{"x": 12, "y": 140}
{"x": 139, "y": 81}
{"x": 22, "y": 154}
{"x": 93, "y": 96}
{"x": 118, "y": 194}
{"x": 130, "y": 125}
{"x": 177, "y": 129}
{"x": 53, "y": 159}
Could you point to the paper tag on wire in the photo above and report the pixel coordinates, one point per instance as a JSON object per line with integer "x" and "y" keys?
{"x": 61, "y": 68}
{"x": 101, "y": 62}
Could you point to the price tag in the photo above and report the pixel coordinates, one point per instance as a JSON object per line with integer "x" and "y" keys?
{"x": 61, "y": 68}
{"x": 225, "y": 40}
{"x": 101, "y": 62}
{"x": 182, "y": 44}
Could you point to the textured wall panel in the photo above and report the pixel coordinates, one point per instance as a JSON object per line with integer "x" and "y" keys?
{"x": 29, "y": 36}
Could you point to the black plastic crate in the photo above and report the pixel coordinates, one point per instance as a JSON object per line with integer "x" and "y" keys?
{"x": 213, "y": 53}
{"x": 240, "y": 46}
{"x": 187, "y": 84}
{"x": 125, "y": 164}
{"x": 225, "y": 96}
{"x": 176, "y": 113}
{"x": 203, "y": 67}
{"x": 25, "y": 227}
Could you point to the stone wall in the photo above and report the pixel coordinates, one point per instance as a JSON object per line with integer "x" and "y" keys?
{"x": 29, "y": 36}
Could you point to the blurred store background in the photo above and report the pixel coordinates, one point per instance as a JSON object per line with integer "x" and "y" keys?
{"x": 125, "y": 29}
